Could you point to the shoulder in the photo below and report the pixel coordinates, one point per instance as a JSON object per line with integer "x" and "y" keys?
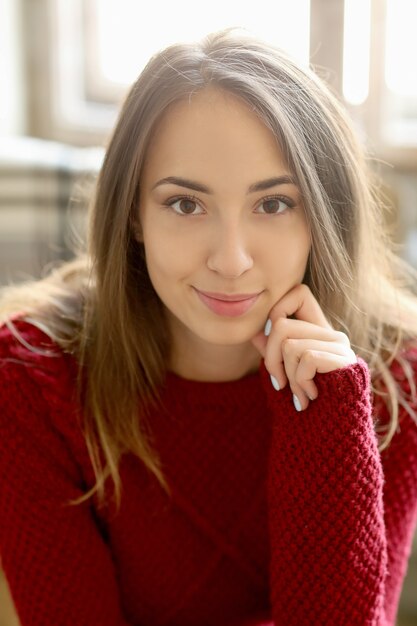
{"x": 41, "y": 425}
{"x": 37, "y": 380}
{"x": 25, "y": 346}
{"x": 20, "y": 331}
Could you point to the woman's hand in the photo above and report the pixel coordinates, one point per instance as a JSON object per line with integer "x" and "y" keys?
{"x": 295, "y": 349}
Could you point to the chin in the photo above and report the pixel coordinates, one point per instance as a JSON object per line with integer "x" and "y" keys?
{"x": 228, "y": 337}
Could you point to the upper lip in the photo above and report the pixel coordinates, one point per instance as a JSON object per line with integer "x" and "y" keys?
{"x": 229, "y": 297}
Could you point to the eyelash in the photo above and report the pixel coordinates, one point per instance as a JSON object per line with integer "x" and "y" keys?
{"x": 168, "y": 204}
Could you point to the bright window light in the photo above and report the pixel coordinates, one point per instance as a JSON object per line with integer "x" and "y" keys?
{"x": 401, "y": 47}
{"x": 356, "y": 49}
{"x": 128, "y": 35}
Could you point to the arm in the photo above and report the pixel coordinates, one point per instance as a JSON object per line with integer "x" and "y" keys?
{"x": 326, "y": 513}
{"x": 341, "y": 517}
{"x": 57, "y": 565}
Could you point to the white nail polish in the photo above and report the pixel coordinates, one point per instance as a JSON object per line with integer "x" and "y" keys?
{"x": 296, "y": 402}
{"x": 268, "y": 327}
{"x": 274, "y": 382}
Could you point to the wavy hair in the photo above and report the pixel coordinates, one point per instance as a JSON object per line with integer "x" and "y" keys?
{"x": 102, "y": 308}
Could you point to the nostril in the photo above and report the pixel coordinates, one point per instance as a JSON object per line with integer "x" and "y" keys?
{"x": 229, "y": 271}
{"x": 230, "y": 263}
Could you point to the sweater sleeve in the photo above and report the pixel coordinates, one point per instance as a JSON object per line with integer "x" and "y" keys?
{"x": 57, "y": 564}
{"x": 399, "y": 462}
{"x": 337, "y": 557}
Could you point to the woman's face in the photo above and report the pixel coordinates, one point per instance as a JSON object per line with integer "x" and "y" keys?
{"x": 230, "y": 238}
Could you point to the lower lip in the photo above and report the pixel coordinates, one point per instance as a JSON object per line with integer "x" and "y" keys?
{"x": 227, "y": 308}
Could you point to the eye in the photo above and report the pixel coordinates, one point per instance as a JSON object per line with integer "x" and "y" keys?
{"x": 274, "y": 205}
{"x": 187, "y": 205}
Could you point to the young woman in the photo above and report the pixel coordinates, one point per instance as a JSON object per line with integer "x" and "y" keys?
{"x": 209, "y": 417}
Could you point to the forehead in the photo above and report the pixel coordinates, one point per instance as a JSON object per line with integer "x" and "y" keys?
{"x": 212, "y": 126}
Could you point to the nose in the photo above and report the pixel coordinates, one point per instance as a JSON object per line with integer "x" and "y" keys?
{"x": 229, "y": 254}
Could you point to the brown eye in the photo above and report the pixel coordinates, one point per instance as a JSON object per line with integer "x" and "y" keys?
{"x": 271, "y": 206}
{"x": 276, "y": 205}
{"x": 186, "y": 206}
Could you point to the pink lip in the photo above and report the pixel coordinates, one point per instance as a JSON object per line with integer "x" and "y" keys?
{"x": 227, "y": 305}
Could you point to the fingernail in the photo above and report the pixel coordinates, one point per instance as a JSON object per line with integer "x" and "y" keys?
{"x": 268, "y": 327}
{"x": 275, "y": 383}
{"x": 296, "y": 402}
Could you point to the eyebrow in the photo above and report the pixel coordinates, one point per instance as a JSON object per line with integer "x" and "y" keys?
{"x": 285, "y": 179}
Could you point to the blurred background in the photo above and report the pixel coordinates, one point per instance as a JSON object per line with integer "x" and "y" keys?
{"x": 65, "y": 66}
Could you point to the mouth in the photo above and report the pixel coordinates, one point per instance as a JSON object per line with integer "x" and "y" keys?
{"x": 228, "y": 305}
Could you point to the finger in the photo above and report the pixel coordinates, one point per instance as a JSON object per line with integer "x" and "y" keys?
{"x": 292, "y": 351}
{"x": 315, "y": 361}
{"x": 301, "y": 303}
{"x": 311, "y": 363}
{"x": 283, "y": 330}
{"x": 292, "y": 345}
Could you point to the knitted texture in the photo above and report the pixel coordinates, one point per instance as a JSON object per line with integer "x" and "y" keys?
{"x": 277, "y": 517}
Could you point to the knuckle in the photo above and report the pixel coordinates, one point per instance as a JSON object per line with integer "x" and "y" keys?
{"x": 301, "y": 373}
{"x": 281, "y": 325}
{"x": 352, "y": 355}
{"x": 342, "y": 337}
{"x": 287, "y": 345}
{"x": 309, "y": 356}
{"x": 304, "y": 288}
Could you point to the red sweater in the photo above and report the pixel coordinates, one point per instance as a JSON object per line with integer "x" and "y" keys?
{"x": 291, "y": 517}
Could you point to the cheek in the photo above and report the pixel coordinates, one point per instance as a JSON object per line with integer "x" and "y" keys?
{"x": 287, "y": 258}
{"x": 168, "y": 261}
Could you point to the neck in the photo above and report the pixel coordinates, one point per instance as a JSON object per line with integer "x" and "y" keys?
{"x": 214, "y": 363}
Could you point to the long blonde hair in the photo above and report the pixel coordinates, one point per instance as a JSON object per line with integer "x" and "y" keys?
{"x": 102, "y": 307}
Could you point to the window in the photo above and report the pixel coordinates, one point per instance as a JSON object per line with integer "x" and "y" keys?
{"x": 125, "y": 35}
{"x": 94, "y": 49}
{"x": 400, "y": 75}
{"x": 380, "y": 77}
